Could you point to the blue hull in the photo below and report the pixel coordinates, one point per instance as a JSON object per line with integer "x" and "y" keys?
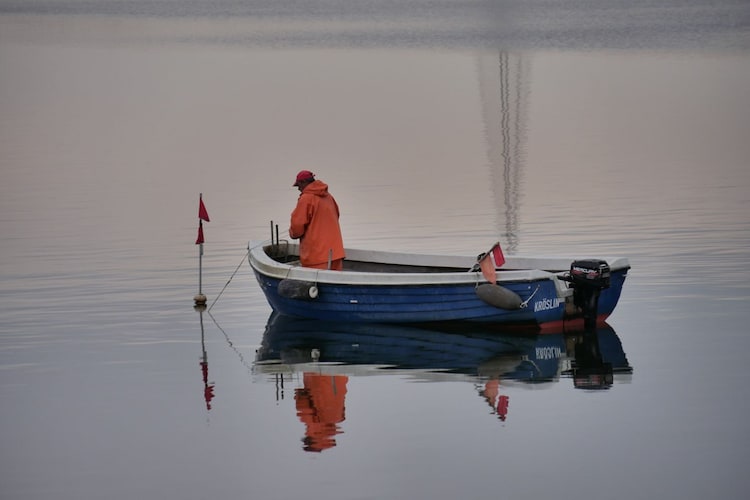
{"x": 409, "y": 304}
{"x": 431, "y": 303}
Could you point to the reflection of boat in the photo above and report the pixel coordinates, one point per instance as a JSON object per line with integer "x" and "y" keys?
{"x": 324, "y": 354}
{"x": 591, "y": 357}
{"x": 298, "y": 345}
{"x": 295, "y": 343}
{"x": 598, "y": 357}
{"x": 390, "y": 287}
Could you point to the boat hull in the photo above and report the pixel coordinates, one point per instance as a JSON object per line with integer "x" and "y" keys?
{"x": 422, "y": 298}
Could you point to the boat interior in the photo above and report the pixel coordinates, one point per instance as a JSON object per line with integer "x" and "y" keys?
{"x": 287, "y": 254}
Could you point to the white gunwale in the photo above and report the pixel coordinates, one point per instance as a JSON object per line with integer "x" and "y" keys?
{"x": 515, "y": 269}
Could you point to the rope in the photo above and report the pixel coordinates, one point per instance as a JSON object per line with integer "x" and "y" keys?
{"x": 526, "y": 302}
{"x": 230, "y": 279}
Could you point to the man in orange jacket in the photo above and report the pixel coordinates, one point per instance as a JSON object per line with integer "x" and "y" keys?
{"x": 315, "y": 221}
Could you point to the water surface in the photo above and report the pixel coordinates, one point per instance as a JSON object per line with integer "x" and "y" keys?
{"x": 440, "y": 126}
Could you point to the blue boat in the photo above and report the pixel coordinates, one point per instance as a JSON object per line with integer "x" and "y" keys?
{"x": 393, "y": 287}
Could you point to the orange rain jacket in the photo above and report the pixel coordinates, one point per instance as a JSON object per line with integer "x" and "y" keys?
{"x": 315, "y": 221}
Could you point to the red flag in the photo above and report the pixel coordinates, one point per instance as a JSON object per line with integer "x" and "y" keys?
{"x": 202, "y": 212}
{"x": 497, "y": 254}
{"x": 200, "y": 233}
{"x": 489, "y": 261}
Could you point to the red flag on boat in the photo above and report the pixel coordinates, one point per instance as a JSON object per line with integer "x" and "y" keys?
{"x": 202, "y": 212}
{"x": 497, "y": 254}
{"x": 490, "y": 260}
{"x": 200, "y": 233}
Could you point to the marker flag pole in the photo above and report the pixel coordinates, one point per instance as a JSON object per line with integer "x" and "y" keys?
{"x": 202, "y": 216}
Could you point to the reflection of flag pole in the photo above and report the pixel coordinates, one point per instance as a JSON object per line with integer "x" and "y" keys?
{"x": 202, "y": 216}
{"x": 208, "y": 389}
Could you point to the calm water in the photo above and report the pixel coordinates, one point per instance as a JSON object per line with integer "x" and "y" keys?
{"x": 574, "y": 128}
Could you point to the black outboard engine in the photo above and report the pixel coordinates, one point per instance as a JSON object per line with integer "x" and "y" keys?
{"x": 588, "y": 278}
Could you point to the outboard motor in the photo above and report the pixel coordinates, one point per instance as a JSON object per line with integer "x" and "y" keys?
{"x": 588, "y": 278}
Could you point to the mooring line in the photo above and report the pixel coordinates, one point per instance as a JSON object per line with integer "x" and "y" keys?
{"x": 230, "y": 279}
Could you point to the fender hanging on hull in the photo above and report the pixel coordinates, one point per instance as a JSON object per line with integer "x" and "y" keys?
{"x": 498, "y": 296}
{"x": 296, "y": 289}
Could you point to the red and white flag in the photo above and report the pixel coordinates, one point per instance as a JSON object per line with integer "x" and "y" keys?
{"x": 491, "y": 260}
{"x": 497, "y": 254}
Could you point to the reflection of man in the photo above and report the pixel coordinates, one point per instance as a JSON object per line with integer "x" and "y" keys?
{"x": 320, "y": 406}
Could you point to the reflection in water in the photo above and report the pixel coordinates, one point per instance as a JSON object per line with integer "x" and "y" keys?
{"x": 320, "y": 405}
{"x": 498, "y": 402}
{"x": 208, "y": 389}
{"x": 590, "y": 370}
{"x": 590, "y": 357}
{"x": 326, "y": 354}
{"x": 503, "y": 90}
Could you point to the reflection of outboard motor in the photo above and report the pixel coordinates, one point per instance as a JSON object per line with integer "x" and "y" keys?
{"x": 588, "y": 278}
{"x": 590, "y": 370}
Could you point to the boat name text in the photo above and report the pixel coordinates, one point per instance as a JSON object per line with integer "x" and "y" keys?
{"x": 548, "y": 353}
{"x": 547, "y": 304}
